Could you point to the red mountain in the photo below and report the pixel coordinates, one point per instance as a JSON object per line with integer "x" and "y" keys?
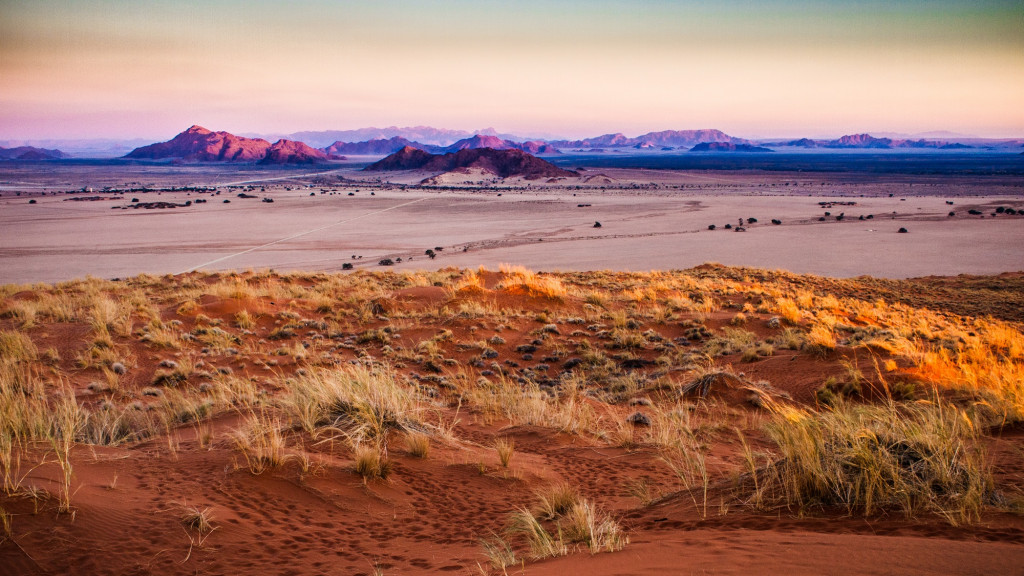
{"x": 503, "y": 163}
{"x": 292, "y": 152}
{"x": 202, "y": 145}
{"x": 407, "y": 158}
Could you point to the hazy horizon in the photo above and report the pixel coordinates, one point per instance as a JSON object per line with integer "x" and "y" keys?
{"x": 816, "y": 68}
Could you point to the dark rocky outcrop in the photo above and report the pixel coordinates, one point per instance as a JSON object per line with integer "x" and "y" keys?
{"x": 503, "y": 163}
{"x": 728, "y": 147}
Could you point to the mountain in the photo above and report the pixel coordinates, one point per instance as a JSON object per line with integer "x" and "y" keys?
{"x": 83, "y": 147}
{"x": 504, "y": 163}
{"x": 664, "y": 138}
{"x": 292, "y": 152}
{"x": 495, "y": 143}
{"x": 537, "y": 147}
{"x": 379, "y": 146}
{"x": 801, "y": 143}
{"x": 197, "y": 144}
{"x": 860, "y": 141}
{"x": 201, "y": 145}
{"x": 407, "y": 158}
{"x": 480, "y": 141}
{"x": 476, "y": 141}
{"x": 933, "y": 135}
{"x": 728, "y": 147}
{"x": 424, "y": 134}
{"x": 869, "y": 142}
{"x": 30, "y": 153}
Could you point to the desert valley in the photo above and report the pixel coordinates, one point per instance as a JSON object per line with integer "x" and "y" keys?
{"x": 545, "y": 287}
{"x": 223, "y": 356}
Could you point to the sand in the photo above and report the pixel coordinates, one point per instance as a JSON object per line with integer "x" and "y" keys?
{"x": 658, "y": 227}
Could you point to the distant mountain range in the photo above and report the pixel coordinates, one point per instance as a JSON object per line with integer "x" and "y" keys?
{"x": 651, "y": 140}
{"x": 200, "y": 145}
{"x": 504, "y": 163}
{"x": 393, "y": 144}
{"x": 426, "y": 135}
{"x": 30, "y": 153}
{"x": 867, "y": 141}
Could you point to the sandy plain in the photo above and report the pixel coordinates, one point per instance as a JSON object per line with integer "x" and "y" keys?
{"x": 650, "y": 219}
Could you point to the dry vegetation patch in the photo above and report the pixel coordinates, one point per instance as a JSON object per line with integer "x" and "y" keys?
{"x": 734, "y": 391}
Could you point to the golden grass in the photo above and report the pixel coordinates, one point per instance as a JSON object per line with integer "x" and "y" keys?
{"x": 368, "y": 402}
{"x": 17, "y": 347}
{"x": 915, "y": 457}
{"x": 198, "y": 519}
{"x": 910, "y": 457}
{"x": 506, "y": 448}
{"x": 261, "y": 442}
{"x": 417, "y": 444}
{"x": 371, "y": 462}
{"x": 555, "y": 500}
{"x": 519, "y": 280}
{"x": 576, "y": 521}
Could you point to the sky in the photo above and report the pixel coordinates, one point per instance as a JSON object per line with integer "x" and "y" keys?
{"x": 573, "y": 68}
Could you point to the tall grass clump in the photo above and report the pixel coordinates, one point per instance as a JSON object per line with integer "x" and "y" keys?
{"x": 366, "y": 402}
{"x": 920, "y": 457}
{"x": 262, "y": 443}
{"x": 371, "y": 462}
{"x": 574, "y": 520}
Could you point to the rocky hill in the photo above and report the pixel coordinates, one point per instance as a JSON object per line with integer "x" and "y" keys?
{"x": 407, "y": 158}
{"x": 198, "y": 144}
{"x": 504, "y": 163}
{"x": 292, "y": 152}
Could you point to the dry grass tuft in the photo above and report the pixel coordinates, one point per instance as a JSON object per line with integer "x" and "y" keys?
{"x": 198, "y": 519}
{"x": 371, "y": 462}
{"x": 261, "y": 442}
{"x": 366, "y": 402}
{"x": 505, "y": 447}
{"x": 417, "y": 444}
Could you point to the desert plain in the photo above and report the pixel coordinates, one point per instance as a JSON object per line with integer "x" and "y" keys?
{"x": 209, "y": 389}
{"x": 650, "y": 220}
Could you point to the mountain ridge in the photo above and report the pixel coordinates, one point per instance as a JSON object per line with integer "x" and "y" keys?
{"x": 503, "y": 163}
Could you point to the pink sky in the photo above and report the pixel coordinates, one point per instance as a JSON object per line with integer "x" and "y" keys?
{"x": 78, "y": 69}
